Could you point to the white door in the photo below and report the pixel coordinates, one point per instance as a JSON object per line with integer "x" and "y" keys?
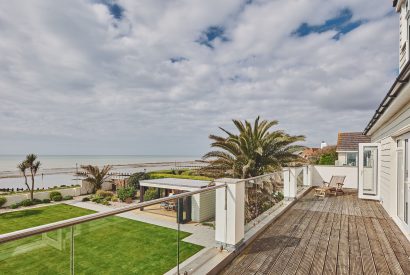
{"x": 369, "y": 167}
{"x": 403, "y": 179}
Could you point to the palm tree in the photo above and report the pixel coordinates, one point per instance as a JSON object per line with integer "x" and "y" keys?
{"x": 95, "y": 176}
{"x": 33, "y": 164}
{"x": 254, "y": 151}
{"x": 23, "y": 167}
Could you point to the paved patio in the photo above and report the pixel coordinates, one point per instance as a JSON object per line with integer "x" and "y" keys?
{"x": 335, "y": 235}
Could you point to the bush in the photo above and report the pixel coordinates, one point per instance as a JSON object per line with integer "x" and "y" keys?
{"x": 126, "y": 192}
{"x": 114, "y": 198}
{"x": 150, "y": 194}
{"x": 97, "y": 199}
{"x": 3, "y": 200}
{"x": 27, "y": 202}
{"x": 86, "y": 199}
{"x": 14, "y": 206}
{"x": 66, "y": 198}
{"x": 104, "y": 194}
{"x": 46, "y": 201}
{"x": 279, "y": 196}
{"x": 57, "y": 198}
{"x": 37, "y": 201}
{"x": 105, "y": 202}
{"x": 54, "y": 194}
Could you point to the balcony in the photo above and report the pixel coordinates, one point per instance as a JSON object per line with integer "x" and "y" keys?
{"x": 271, "y": 224}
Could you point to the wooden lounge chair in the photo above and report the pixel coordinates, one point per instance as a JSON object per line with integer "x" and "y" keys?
{"x": 334, "y": 187}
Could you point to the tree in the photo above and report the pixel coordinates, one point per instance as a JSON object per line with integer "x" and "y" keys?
{"x": 325, "y": 156}
{"x": 95, "y": 176}
{"x": 134, "y": 179}
{"x": 33, "y": 165}
{"x": 253, "y": 151}
{"x": 23, "y": 167}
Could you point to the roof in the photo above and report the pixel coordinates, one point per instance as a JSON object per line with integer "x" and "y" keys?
{"x": 350, "y": 141}
{"x": 392, "y": 94}
{"x": 177, "y": 184}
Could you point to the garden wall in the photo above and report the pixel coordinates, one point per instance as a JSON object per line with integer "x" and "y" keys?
{"x": 322, "y": 173}
{"x": 16, "y": 198}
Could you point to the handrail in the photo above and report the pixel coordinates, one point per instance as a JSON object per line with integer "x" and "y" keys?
{"x": 16, "y": 235}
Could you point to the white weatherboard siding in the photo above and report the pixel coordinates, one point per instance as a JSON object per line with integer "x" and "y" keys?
{"x": 203, "y": 206}
{"x": 386, "y": 135}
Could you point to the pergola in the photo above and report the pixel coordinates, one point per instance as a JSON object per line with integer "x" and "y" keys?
{"x": 176, "y": 186}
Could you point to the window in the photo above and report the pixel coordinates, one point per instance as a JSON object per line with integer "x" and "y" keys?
{"x": 351, "y": 159}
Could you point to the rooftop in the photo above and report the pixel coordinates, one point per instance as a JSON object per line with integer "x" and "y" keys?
{"x": 350, "y": 141}
{"x": 174, "y": 183}
{"x": 336, "y": 235}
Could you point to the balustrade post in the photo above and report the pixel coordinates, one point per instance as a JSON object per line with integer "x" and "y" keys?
{"x": 230, "y": 213}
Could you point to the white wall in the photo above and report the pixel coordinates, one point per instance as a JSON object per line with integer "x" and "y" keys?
{"x": 322, "y": 173}
{"x": 203, "y": 206}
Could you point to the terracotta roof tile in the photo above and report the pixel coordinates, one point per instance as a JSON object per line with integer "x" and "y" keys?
{"x": 350, "y": 141}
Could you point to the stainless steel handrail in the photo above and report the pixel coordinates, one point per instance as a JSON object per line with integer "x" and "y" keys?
{"x": 61, "y": 224}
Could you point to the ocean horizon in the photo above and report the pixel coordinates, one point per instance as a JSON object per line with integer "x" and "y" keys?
{"x": 9, "y": 162}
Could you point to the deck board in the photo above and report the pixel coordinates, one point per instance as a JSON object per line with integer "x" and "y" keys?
{"x": 334, "y": 235}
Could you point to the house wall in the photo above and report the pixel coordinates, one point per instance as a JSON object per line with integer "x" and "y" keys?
{"x": 386, "y": 135}
{"x": 341, "y": 158}
{"x": 322, "y": 173}
{"x": 203, "y": 206}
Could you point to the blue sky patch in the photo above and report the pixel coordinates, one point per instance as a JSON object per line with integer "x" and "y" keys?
{"x": 342, "y": 23}
{"x": 115, "y": 10}
{"x": 210, "y": 34}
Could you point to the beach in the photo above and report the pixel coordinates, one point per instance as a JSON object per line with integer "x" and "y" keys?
{"x": 61, "y": 170}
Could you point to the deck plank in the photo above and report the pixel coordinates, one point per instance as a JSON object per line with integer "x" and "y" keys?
{"x": 334, "y": 235}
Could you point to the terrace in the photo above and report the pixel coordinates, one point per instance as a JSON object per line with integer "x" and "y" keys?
{"x": 255, "y": 230}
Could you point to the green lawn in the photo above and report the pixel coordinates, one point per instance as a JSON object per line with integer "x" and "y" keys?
{"x": 112, "y": 245}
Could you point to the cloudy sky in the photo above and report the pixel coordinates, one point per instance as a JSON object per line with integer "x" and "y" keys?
{"x": 157, "y": 77}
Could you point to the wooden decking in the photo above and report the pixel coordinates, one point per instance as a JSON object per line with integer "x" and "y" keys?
{"x": 334, "y": 235}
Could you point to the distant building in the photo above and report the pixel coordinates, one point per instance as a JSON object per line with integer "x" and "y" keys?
{"x": 348, "y": 147}
{"x": 308, "y": 152}
{"x": 323, "y": 145}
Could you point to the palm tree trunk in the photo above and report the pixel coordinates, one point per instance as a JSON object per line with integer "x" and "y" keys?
{"x": 32, "y": 186}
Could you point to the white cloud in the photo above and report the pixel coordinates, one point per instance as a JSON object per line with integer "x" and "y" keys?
{"x": 73, "y": 79}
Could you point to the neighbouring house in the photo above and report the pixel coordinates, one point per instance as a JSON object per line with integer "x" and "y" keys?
{"x": 347, "y": 147}
{"x": 384, "y": 164}
{"x": 307, "y": 153}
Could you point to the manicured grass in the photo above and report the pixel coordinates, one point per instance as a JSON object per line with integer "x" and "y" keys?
{"x": 23, "y": 219}
{"x": 112, "y": 245}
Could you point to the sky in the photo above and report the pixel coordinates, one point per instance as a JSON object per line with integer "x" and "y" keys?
{"x": 157, "y": 77}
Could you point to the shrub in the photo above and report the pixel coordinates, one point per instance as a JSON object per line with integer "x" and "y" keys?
{"x": 14, "y": 206}
{"x": 104, "y": 194}
{"x": 66, "y": 198}
{"x": 279, "y": 196}
{"x": 105, "y": 202}
{"x": 27, "y": 202}
{"x": 126, "y": 192}
{"x": 46, "y": 201}
{"x": 86, "y": 199}
{"x": 37, "y": 201}
{"x": 54, "y": 194}
{"x": 97, "y": 199}
{"x": 3, "y": 200}
{"x": 150, "y": 194}
{"x": 57, "y": 198}
{"x": 114, "y": 198}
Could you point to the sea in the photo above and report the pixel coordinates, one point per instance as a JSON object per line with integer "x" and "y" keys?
{"x": 58, "y": 170}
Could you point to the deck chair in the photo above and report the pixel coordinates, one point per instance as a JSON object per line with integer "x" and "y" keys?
{"x": 334, "y": 186}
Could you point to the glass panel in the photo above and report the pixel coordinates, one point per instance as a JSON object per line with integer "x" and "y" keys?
{"x": 400, "y": 185}
{"x": 117, "y": 245}
{"x": 370, "y": 170}
{"x": 46, "y": 253}
{"x": 406, "y": 180}
{"x": 351, "y": 159}
{"x": 262, "y": 196}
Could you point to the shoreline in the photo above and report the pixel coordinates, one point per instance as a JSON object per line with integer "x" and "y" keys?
{"x": 131, "y": 166}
